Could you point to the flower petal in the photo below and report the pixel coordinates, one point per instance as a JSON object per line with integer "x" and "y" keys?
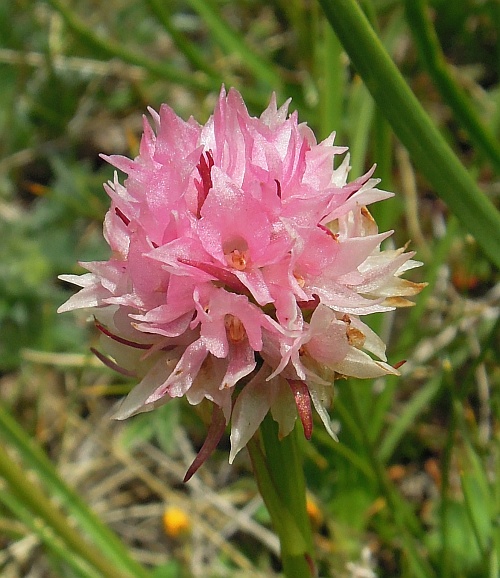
{"x": 250, "y": 408}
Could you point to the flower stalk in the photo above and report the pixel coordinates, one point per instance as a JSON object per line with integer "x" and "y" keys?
{"x": 277, "y": 466}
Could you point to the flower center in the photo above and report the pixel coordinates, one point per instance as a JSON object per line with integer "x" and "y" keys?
{"x": 237, "y": 254}
{"x": 300, "y": 280}
{"x": 355, "y": 337}
{"x": 237, "y": 259}
{"x": 235, "y": 328}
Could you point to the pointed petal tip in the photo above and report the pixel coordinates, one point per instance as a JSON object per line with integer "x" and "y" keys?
{"x": 124, "y": 409}
{"x": 119, "y": 414}
{"x": 214, "y": 434}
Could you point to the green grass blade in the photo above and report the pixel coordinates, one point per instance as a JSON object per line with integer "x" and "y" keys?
{"x": 434, "y": 61}
{"x": 47, "y": 537}
{"x": 412, "y": 125}
{"x": 406, "y": 419}
{"x": 361, "y": 107}
{"x": 477, "y": 498}
{"x": 360, "y": 111}
{"x": 405, "y": 520}
{"x": 190, "y": 50}
{"x": 339, "y": 448}
{"x": 232, "y": 43}
{"x": 331, "y": 81}
{"x": 107, "y": 542}
{"x": 413, "y": 321}
{"x": 34, "y": 499}
{"x": 300, "y": 18}
{"x": 111, "y": 49}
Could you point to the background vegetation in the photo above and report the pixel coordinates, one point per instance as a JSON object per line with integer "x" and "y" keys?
{"x": 412, "y": 488}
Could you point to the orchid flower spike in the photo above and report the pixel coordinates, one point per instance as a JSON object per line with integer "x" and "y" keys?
{"x": 241, "y": 257}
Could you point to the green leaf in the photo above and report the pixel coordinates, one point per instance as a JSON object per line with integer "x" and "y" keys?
{"x": 477, "y": 498}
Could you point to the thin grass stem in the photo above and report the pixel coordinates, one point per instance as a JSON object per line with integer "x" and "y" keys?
{"x": 108, "y": 543}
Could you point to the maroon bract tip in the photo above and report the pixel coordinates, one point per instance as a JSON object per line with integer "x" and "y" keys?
{"x": 204, "y": 185}
{"x": 215, "y": 431}
{"x": 111, "y": 364}
{"x": 278, "y": 188}
{"x": 107, "y": 332}
{"x": 303, "y": 402}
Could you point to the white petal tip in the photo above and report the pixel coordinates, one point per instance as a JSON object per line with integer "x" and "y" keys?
{"x": 235, "y": 450}
{"x": 125, "y": 410}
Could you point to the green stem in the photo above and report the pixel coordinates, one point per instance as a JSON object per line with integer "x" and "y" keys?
{"x": 281, "y": 482}
{"x": 412, "y": 125}
{"x": 433, "y": 59}
{"x": 33, "y": 498}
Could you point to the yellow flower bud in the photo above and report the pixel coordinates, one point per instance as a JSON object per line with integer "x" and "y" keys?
{"x": 175, "y": 522}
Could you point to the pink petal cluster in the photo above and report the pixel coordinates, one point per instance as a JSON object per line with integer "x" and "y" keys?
{"x": 241, "y": 257}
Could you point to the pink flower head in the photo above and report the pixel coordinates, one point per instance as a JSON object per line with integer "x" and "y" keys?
{"x": 240, "y": 256}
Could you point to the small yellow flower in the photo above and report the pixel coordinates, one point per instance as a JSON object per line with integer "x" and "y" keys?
{"x": 176, "y": 522}
{"x": 314, "y": 513}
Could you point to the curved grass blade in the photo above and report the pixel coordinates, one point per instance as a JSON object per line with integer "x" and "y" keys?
{"x": 232, "y": 43}
{"x": 435, "y": 63}
{"x": 114, "y": 50}
{"x": 33, "y": 498}
{"x": 190, "y": 50}
{"x": 47, "y": 537}
{"x": 108, "y": 543}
